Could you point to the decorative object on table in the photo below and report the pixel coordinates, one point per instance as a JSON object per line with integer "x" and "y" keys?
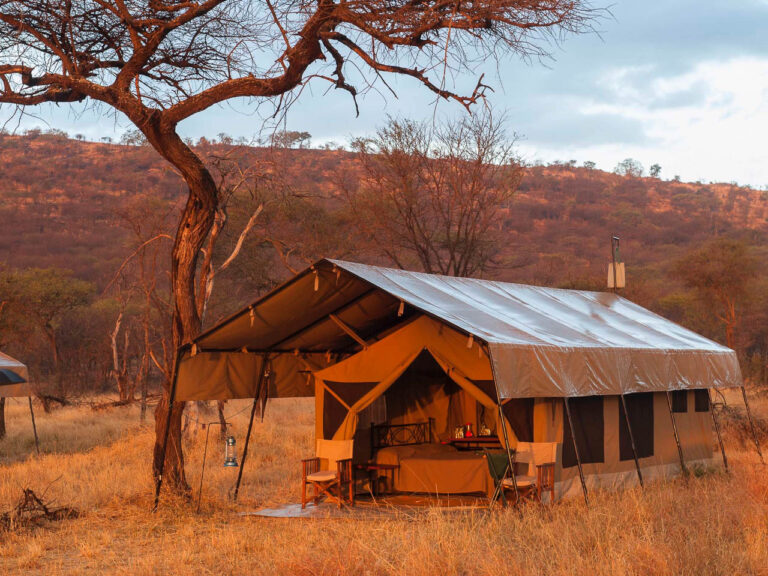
{"x": 230, "y": 452}
{"x": 484, "y": 430}
{"x": 468, "y": 430}
{"x": 458, "y": 433}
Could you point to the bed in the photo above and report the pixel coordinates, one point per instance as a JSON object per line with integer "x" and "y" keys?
{"x": 425, "y": 466}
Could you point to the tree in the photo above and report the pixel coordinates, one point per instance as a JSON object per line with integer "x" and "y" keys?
{"x": 159, "y": 63}
{"x": 629, "y": 167}
{"x": 291, "y": 138}
{"x": 437, "y": 196}
{"x": 720, "y": 272}
{"x": 589, "y": 165}
{"x": 43, "y": 297}
{"x": 655, "y": 171}
{"x": 133, "y": 138}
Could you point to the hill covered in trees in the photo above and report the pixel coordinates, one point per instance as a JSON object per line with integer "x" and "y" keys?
{"x": 87, "y": 207}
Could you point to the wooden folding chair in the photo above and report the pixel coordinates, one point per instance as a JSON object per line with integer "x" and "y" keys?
{"x": 337, "y": 481}
{"x": 540, "y": 476}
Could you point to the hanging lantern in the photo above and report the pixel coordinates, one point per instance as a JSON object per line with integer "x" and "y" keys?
{"x": 230, "y": 453}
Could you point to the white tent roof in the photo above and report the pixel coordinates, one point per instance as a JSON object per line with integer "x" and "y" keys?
{"x": 521, "y": 315}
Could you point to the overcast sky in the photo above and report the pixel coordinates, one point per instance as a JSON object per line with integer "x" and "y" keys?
{"x": 683, "y": 84}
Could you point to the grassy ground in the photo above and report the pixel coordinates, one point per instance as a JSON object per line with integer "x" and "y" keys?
{"x": 99, "y": 462}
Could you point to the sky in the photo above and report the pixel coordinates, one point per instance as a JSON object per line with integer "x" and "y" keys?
{"x": 681, "y": 84}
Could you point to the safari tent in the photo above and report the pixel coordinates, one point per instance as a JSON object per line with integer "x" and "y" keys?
{"x": 14, "y": 383}
{"x": 399, "y": 358}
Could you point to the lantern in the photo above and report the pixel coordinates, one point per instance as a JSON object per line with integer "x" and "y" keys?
{"x": 230, "y": 453}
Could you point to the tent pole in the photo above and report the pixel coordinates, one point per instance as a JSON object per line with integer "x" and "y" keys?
{"x": 503, "y": 424}
{"x": 576, "y": 450}
{"x": 171, "y": 397}
{"x": 250, "y": 426}
{"x": 717, "y": 430}
{"x": 677, "y": 436}
{"x": 752, "y": 424}
{"x": 34, "y": 426}
{"x": 632, "y": 440}
{"x": 205, "y": 455}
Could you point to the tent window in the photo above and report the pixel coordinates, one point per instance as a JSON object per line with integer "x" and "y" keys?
{"x": 351, "y": 392}
{"x": 680, "y": 401}
{"x": 334, "y": 413}
{"x": 640, "y": 410}
{"x": 519, "y": 414}
{"x": 488, "y": 387}
{"x": 701, "y": 400}
{"x": 589, "y": 426}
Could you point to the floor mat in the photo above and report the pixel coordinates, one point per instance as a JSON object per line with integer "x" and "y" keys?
{"x": 391, "y": 506}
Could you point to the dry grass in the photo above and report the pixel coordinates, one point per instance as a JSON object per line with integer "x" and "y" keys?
{"x": 99, "y": 462}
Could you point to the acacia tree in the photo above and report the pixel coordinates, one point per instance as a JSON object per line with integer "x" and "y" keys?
{"x": 160, "y": 62}
{"x": 437, "y": 195}
{"x": 720, "y": 273}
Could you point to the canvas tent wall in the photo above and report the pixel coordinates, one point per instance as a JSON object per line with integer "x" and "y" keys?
{"x": 523, "y": 345}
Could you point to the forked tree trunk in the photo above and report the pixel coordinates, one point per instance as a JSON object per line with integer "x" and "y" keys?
{"x": 194, "y": 226}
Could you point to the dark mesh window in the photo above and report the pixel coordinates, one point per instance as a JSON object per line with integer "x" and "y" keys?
{"x": 519, "y": 414}
{"x": 589, "y": 427}
{"x": 640, "y": 410}
{"x": 701, "y": 400}
{"x": 333, "y": 415}
{"x": 350, "y": 392}
{"x": 680, "y": 401}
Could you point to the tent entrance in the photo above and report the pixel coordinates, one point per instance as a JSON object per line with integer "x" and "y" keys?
{"x": 425, "y": 388}
{"x": 425, "y": 391}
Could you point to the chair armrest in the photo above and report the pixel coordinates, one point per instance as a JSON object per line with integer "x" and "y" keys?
{"x": 309, "y": 466}
{"x": 344, "y": 470}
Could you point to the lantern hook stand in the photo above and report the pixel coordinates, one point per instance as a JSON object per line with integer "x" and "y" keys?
{"x": 205, "y": 454}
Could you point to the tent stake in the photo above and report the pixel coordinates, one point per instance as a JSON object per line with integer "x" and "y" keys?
{"x": 576, "y": 450}
{"x": 717, "y": 430}
{"x": 171, "y": 396}
{"x": 752, "y": 424}
{"x": 677, "y": 436}
{"x": 632, "y": 440}
{"x": 34, "y": 426}
{"x": 250, "y": 426}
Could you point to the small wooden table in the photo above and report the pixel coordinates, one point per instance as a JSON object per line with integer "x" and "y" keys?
{"x": 373, "y": 469}
{"x": 474, "y": 442}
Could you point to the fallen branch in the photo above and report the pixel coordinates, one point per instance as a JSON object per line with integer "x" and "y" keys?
{"x": 31, "y": 510}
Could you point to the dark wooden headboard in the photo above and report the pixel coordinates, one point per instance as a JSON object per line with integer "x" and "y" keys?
{"x": 384, "y": 435}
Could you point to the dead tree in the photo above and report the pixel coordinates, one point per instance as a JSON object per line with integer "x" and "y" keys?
{"x": 436, "y": 196}
{"x": 159, "y": 63}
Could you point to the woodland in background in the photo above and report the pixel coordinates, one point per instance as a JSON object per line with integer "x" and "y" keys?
{"x": 86, "y": 236}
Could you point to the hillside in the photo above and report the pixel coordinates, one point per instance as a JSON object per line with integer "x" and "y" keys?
{"x": 64, "y": 204}
{"x": 78, "y": 205}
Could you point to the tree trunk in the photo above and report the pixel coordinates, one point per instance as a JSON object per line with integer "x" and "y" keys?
{"x": 195, "y": 225}
{"x": 2, "y": 418}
